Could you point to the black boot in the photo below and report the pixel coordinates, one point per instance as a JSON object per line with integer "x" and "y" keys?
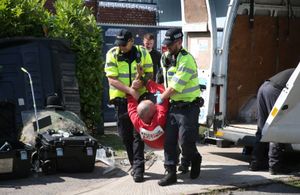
{"x": 138, "y": 177}
{"x": 184, "y": 166}
{"x": 183, "y": 169}
{"x": 196, "y": 166}
{"x": 255, "y": 165}
{"x": 171, "y": 176}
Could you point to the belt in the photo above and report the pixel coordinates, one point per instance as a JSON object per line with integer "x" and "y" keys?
{"x": 118, "y": 100}
{"x": 181, "y": 104}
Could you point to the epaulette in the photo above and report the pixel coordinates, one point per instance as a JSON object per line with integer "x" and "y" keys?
{"x": 184, "y": 52}
{"x": 114, "y": 50}
{"x": 142, "y": 49}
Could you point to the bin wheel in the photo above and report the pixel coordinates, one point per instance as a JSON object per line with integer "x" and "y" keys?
{"x": 49, "y": 167}
{"x": 35, "y": 162}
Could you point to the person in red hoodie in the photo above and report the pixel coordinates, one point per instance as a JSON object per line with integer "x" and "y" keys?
{"x": 149, "y": 119}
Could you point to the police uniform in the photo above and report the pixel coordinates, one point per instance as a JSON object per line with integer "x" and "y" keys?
{"x": 180, "y": 73}
{"x": 183, "y": 114}
{"x": 123, "y": 67}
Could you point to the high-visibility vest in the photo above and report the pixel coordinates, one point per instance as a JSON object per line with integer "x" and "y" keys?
{"x": 181, "y": 74}
{"x": 125, "y": 72}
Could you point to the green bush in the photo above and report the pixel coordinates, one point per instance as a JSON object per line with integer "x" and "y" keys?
{"x": 22, "y": 18}
{"x": 72, "y": 21}
{"x": 75, "y": 22}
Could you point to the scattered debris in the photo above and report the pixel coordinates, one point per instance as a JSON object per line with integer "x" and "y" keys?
{"x": 106, "y": 155}
{"x": 150, "y": 158}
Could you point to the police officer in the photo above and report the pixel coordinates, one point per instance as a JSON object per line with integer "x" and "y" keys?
{"x": 182, "y": 87}
{"x": 121, "y": 68}
{"x": 266, "y": 98}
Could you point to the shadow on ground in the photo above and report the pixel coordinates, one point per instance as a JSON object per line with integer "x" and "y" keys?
{"x": 42, "y": 179}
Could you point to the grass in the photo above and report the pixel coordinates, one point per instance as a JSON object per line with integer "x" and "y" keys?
{"x": 294, "y": 183}
{"x": 114, "y": 141}
{"x": 202, "y": 130}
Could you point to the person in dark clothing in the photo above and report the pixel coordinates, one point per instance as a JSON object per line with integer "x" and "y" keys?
{"x": 155, "y": 55}
{"x": 268, "y": 155}
{"x": 182, "y": 90}
{"x": 122, "y": 62}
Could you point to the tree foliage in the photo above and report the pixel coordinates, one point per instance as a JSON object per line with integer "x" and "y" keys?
{"x": 72, "y": 21}
{"x": 22, "y": 18}
{"x": 75, "y": 22}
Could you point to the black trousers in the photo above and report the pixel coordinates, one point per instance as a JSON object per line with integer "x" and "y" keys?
{"x": 131, "y": 138}
{"x": 266, "y": 98}
{"x": 181, "y": 127}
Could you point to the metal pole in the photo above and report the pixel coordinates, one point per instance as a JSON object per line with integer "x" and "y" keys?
{"x": 33, "y": 98}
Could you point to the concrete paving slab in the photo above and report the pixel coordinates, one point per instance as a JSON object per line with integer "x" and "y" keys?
{"x": 221, "y": 168}
{"x": 270, "y": 189}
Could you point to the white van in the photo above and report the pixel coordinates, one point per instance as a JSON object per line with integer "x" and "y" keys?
{"x": 259, "y": 39}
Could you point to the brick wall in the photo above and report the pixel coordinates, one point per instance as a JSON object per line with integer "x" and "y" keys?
{"x": 126, "y": 16}
{"x": 115, "y": 15}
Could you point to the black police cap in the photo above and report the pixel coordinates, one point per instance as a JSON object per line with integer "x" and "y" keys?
{"x": 172, "y": 35}
{"x": 123, "y": 36}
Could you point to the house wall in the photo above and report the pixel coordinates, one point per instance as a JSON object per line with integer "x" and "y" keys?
{"x": 116, "y": 15}
{"x": 126, "y": 16}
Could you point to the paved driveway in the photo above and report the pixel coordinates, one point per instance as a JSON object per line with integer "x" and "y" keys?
{"x": 222, "y": 168}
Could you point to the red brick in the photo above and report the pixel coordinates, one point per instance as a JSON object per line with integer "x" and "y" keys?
{"x": 115, "y": 15}
{"x": 126, "y": 16}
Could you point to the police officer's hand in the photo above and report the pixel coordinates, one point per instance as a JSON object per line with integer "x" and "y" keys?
{"x": 136, "y": 84}
{"x": 139, "y": 72}
{"x": 159, "y": 100}
{"x": 135, "y": 94}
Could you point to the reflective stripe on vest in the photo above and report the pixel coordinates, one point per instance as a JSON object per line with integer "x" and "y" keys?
{"x": 123, "y": 72}
{"x": 190, "y": 86}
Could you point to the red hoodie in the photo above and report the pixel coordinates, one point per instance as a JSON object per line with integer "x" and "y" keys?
{"x": 153, "y": 133}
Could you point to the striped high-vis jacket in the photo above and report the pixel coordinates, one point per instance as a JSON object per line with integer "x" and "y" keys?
{"x": 181, "y": 74}
{"x": 125, "y": 72}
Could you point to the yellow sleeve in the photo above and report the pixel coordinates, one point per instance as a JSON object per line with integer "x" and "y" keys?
{"x": 147, "y": 63}
{"x": 186, "y": 68}
{"x": 111, "y": 67}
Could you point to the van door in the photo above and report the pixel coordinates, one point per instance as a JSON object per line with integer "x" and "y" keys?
{"x": 200, "y": 38}
{"x": 210, "y": 49}
{"x": 282, "y": 125}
